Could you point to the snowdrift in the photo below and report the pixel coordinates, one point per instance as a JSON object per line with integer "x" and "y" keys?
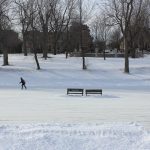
{"x": 74, "y": 137}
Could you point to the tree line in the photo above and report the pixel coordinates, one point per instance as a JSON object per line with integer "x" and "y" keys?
{"x": 111, "y": 21}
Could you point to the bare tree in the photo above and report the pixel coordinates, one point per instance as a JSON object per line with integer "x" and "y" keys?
{"x": 27, "y": 15}
{"x": 121, "y": 14}
{"x": 138, "y": 25}
{"x": 4, "y": 25}
{"x": 22, "y": 12}
{"x": 115, "y": 38}
{"x": 81, "y": 43}
{"x": 33, "y": 19}
{"x": 60, "y": 20}
{"x": 102, "y": 28}
{"x": 84, "y": 15}
{"x": 45, "y": 8}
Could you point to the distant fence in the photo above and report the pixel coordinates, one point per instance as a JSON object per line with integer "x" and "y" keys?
{"x": 77, "y": 54}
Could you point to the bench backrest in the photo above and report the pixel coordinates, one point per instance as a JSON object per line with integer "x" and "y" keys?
{"x": 75, "y": 90}
{"x": 94, "y": 90}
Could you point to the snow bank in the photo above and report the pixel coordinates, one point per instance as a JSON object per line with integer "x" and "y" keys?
{"x": 74, "y": 137}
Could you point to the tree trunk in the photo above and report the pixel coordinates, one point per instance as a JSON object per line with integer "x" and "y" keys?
{"x": 36, "y": 60}
{"x": 24, "y": 45}
{"x": 104, "y": 54}
{"x": 67, "y": 46}
{"x": 55, "y": 45}
{"x": 84, "y": 66}
{"x": 55, "y": 51}
{"x": 126, "y": 55}
{"x": 83, "y": 60}
{"x": 133, "y": 53}
{"x": 66, "y": 54}
{"x": 132, "y": 48}
{"x": 45, "y": 42}
{"x": 5, "y": 57}
{"x": 45, "y": 51}
{"x": 34, "y": 49}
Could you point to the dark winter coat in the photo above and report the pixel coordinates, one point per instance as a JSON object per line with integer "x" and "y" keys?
{"x": 22, "y": 81}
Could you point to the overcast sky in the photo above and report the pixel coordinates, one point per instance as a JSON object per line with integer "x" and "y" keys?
{"x": 89, "y": 6}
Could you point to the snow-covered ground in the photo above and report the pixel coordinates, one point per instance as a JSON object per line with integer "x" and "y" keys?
{"x": 60, "y": 73}
{"x": 74, "y": 137}
{"x": 88, "y": 122}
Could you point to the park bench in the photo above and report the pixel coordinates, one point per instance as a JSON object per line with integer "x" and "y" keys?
{"x": 75, "y": 91}
{"x": 93, "y": 91}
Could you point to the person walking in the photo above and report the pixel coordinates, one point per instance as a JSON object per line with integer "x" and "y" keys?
{"x": 23, "y": 83}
